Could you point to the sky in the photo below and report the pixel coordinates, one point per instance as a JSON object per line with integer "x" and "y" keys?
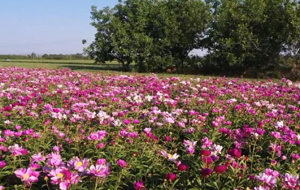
{"x": 44, "y": 26}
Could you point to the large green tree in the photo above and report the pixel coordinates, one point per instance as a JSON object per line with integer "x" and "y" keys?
{"x": 151, "y": 33}
{"x": 251, "y": 33}
{"x": 186, "y": 24}
{"x": 109, "y": 43}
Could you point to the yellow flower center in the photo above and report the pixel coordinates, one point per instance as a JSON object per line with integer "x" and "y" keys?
{"x": 170, "y": 155}
{"x": 60, "y": 175}
{"x": 79, "y": 164}
{"x": 26, "y": 176}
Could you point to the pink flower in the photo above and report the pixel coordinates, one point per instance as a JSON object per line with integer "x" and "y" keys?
{"x": 38, "y": 157}
{"x": 54, "y": 159}
{"x": 269, "y": 178}
{"x": 101, "y": 161}
{"x": 27, "y": 175}
{"x": 206, "y": 143}
{"x": 261, "y": 188}
{"x": 99, "y": 135}
{"x": 81, "y": 165}
{"x": 56, "y": 149}
{"x": 63, "y": 177}
{"x": 290, "y": 181}
{"x": 139, "y": 185}
{"x": 18, "y": 127}
{"x": 190, "y": 146}
{"x": 122, "y": 163}
{"x": 2, "y": 164}
{"x": 18, "y": 150}
{"x": 170, "y": 157}
{"x": 171, "y": 176}
{"x": 56, "y": 175}
{"x": 101, "y": 170}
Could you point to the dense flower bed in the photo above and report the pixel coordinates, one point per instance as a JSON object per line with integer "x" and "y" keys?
{"x": 74, "y": 130}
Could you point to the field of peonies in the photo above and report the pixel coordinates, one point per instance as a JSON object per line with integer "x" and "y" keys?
{"x": 78, "y": 130}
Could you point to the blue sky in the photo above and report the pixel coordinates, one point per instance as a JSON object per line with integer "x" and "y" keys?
{"x": 44, "y": 26}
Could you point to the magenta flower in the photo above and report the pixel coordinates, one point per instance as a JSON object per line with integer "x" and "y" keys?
{"x": 206, "y": 143}
{"x": 64, "y": 178}
{"x": 182, "y": 167}
{"x": 171, "y": 176}
{"x": 206, "y": 172}
{"x": 28, "y": 176}
{"x": 205, "y": 152}
{"x": 235, "y": 152}
{"x": 2, "y": 164}
{"x": 167, "y": 138}
{"x": 122, "y": 163}
{"x": 220, "y": 169}
{"x": 139, "y": 185}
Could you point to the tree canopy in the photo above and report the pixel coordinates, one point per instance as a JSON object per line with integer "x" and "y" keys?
{"x": 156, "y": 34}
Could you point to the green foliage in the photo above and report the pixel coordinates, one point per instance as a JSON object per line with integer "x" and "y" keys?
{"x": 248, "y": 34}
{"x": 186, "y": 22}
{"x": 241, "y": 36}
{"x": 149, "y": 32}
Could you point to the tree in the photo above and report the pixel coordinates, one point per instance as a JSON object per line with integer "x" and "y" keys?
{"x": 251, "y": 33}
{"x": 151, "y": 33}
{"x": 33, "y": 55}
{"x": 186, "y": 24}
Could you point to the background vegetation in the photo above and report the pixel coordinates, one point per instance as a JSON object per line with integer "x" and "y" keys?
{"x": 256, "y": 38}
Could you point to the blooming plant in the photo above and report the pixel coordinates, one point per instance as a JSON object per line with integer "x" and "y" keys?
{"x": 61, "y": 129}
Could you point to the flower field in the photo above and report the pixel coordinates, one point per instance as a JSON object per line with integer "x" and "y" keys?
{"x": 78, "y": 130}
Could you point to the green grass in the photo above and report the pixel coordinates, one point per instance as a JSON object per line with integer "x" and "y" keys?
{"x": 49, "y": 61}
{"x": 54, "y": 64}
{"x": 79, "y": 65}
{"x": 86, "y": 65}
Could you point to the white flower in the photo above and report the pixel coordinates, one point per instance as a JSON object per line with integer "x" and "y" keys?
{"x": 217, "y": 149}
{"x": 7, "y": 122}
{"x": 138, "y": 99}
{"x": 170, "y": 157}
{"x": 279, "y": 124}
{"x": 148, "y": 98}
{"x": 117, "y": 123}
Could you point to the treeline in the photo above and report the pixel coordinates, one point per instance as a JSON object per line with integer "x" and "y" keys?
{"x": 77, "y": 56}
{"x": 241, "y": 37}
{"x": 3, "y": 57}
